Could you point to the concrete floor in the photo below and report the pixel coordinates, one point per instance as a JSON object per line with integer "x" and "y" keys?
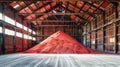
{"x": 59, "y": 60}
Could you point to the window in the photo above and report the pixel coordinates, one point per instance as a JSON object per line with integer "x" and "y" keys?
{"x": 9, "y": 32}
{"x": 18, "y": 25}
{"x": 30, "y": 30}
{"x": 34, "y": 39}
{"x": 19, "y": 34}
{"x": 30, "y": 37}
{"x": 9, "y": 20}
{"x": 16, "y": 6}
{"x": 0, "y": 16}
{"x": 34, "y": 32}
{"x": 25, "y": 28}
{"x": 25, "y": 36}
{"x": 109, "y": 38}
{"x": 0, "y": 29}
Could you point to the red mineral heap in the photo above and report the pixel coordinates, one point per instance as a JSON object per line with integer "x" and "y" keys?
{"x": 60, "y": 43}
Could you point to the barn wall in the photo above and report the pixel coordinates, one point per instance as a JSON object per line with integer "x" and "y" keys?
{"x": 45, "y": 31}
{"x": 10, "y": 43}
{"x": 104, "y": 33}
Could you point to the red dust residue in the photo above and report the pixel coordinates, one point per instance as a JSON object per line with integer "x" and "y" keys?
{"x": 61, "y": 43}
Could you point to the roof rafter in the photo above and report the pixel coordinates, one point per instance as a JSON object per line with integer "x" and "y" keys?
{"x": 45, "y": 12}
{"x": 89, "y": 13}
{"x": 40, "y": 7}
{"x": 77, "y": 15}
{"x": 95, "y": 6}
{"x": 53, "y": 21}
{"x": 62, "y": 0}
{"x": 25, "y": 6}
{"x": 21, "y": 5}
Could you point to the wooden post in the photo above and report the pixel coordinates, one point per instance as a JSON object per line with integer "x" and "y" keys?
{"x": 14, "y": 37}
{"x": 103, "y": 29}
{"x": 3, "y": 29}
{"x": 90, "y": 34}
{"x": 86, "y": 34}
{"x": 116, "y": 38}
{"x": 22, "y": 35}
{"x": 96, "y": 34}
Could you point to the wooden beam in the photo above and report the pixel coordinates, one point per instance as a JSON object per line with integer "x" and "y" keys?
{"x": 95, "y": 6}
{"x": 46, "y": 12}
{"x": 89, "y": 13}
{"x": 116, "y": 9}
{"x": 96, "y": 9}
{"x": 51, "y": 20}
{"x": 52, "y": 25}
{"x": 60, "y": 0}
{"x": 59, "y": 13}
{"x": 25, "y": 6}
{"x": 77, "y": 15}
{"x": 39, "y": 8}
{"x": 116, "y": 38}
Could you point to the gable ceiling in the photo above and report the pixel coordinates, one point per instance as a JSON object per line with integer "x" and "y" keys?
{"x": 38, "y": 12}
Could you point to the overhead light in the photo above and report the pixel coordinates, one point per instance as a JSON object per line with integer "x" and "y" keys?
{"x": 16, "y": 6}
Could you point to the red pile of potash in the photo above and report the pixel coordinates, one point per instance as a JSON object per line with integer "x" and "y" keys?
{"x": 61, "y": 43}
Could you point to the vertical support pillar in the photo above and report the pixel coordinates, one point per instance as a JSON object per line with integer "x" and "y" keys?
{"x": 22, "y": 35}
{"x": 42, "y": 32}
{"x": 116, "y": 9}
{"x": 3, "y": 29}
{"x": 116, "y": 38}
{"x": 72, "y": 29}
{"x": 32, "y": 35}
{"x": 115, "y": 27}
{"x": 103, "y": 29}
{"x": 90, "y": 34}
{"x": 37, "y": 33}
{"x": 55, "y": 28}
{"x": 14, "y": 37}
{"x": 86, "y": 34}
{"x": 96, "y": 34}
{"x": 82, "y": 37}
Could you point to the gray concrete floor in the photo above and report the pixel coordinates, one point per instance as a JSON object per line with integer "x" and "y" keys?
{"x": 59, "y": 60}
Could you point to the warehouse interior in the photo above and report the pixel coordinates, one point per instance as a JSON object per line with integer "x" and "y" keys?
{"x": 93, "y": 23}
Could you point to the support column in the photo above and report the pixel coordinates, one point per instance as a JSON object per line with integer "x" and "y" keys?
{"x": 55, "y": 29}
{"x": 116, "y": 9}
{"x": 22, "y": 35}
{"x": 115, "y": 26}
{"x": 43, "y": 33}
{"x": 96, "y": 34}
{"x": 86, "y": 34}
{"x": 103, "y": 29}
{"x": 3, "y": 29}
{"x": 90, "y": 34}
{"x": 14, "y": 37}
{"x": 116, "y": 38}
